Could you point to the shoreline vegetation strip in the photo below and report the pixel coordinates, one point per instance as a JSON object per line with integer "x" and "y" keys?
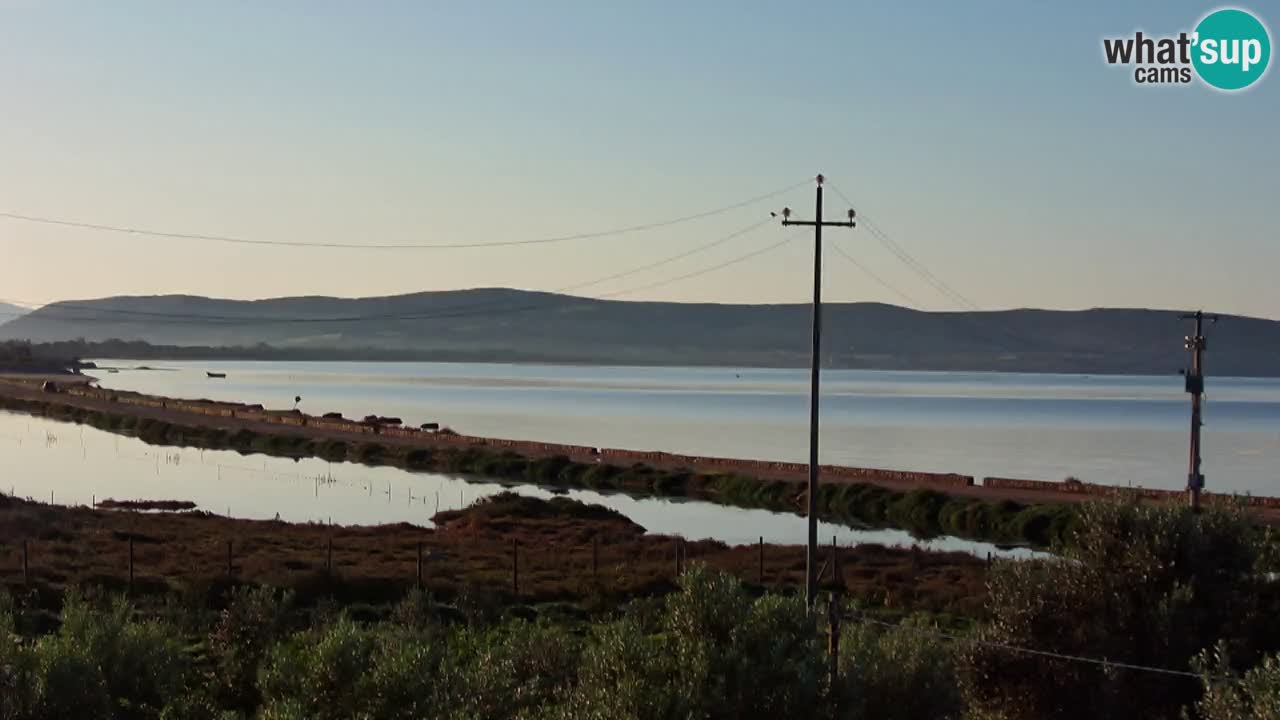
{"x": 923, "y": 511}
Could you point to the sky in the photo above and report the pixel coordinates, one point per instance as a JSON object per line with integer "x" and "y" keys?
{"x": 988, "y": 139}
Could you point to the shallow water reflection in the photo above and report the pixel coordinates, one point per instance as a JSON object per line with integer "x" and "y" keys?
{"x": 76, "y": 464}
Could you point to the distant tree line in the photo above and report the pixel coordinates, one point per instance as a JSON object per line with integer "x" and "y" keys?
{"x": 24, "y": 357}
{"x": 70, "y": 352}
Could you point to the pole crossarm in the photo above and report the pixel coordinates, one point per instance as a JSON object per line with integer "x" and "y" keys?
{"x": 823, "y": 223}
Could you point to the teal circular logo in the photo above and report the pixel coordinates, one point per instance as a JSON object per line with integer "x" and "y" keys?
{"x": 1231, "y": 49}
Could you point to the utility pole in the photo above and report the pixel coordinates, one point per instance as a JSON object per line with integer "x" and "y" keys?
{"x": 811, "y": 554}
{"x": 1195, "y": 344}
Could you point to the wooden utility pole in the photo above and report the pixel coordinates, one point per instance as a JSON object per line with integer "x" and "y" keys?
{"x": 1195, "y": 344}
{"x": 811, "y": 554}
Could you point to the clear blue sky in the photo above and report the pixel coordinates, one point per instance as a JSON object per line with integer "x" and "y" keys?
{"x": 988, "y": 138}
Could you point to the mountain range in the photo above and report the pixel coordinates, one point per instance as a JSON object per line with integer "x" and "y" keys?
{"x": 517, "y": 325}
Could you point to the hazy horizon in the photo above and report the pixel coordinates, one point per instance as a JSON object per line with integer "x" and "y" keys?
{"x": 991, "y": 142}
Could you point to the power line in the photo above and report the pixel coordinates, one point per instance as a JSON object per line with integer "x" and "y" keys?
{"x": 911, "y": 302}
{"x": 130, "y": 230}
{"x": 701, "y": 272}
{"x": 668, "y": 260}
{"x": 1027, "y": 651}
{"x": 467, "y": 310}
{"x": 941, "y": 286}
{"x": 910, "y": 261}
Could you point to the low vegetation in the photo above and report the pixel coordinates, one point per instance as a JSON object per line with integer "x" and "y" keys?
{"x": 572, "y": 558}
{"x": 1152, "y": 612}
{"x": 169, "y": 505}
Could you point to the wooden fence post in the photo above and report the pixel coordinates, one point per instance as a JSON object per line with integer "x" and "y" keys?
{"x": 515, "y": 566}
{"x": 676, "y": 547}
{"x": 131, "y": 564}
{"x": 836, "y": 578}
{"x": 833, "y": 646}
{"x": 762, "y": 560}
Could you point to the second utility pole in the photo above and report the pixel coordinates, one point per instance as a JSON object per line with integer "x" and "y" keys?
{"x": 815, "y": 361}
{"x": 1195, "y": 344}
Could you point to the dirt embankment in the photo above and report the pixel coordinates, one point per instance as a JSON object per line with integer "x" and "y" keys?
{"x": 675, "y": 469}
{"x": 234, "y": 416}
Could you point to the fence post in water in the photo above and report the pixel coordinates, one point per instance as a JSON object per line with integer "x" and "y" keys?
{"x": 515, "y": 566}
{"x": 419, "y": 565}
{"x": 762, "y": 560}
{"x": 836, "y": 578}
{"x": 988, "y": 559}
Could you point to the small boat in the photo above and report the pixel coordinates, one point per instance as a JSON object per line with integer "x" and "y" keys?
{"x": 214, "y": 374}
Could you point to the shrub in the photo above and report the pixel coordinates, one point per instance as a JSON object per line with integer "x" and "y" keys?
{"x": 253, "y": 620}
{"x": 513, "y": 670}
{"x": 897, "y": 673}
{"x": 919, "y": 510}
{"x": 321, "y": 673}
{"x": 100, "y": 663}
{"x": 1256, "y": 696}
{"x": 1138, "y": 583}
{"x": 548, "y": 469}
{"x": 418, "y": 458}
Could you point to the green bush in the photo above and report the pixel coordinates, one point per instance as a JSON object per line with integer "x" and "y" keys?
{"x": 245, "y": 631}
{"x": 601, "y": 475}
{"x": 898, "y": 673}
{"x": 320, "y": 673}
{"x": 547, "y": 470}
{"x": 919, "y": 511}
{"x": 101, "y": 663}
{"x": 1255, "y": 696}
{"x": 1139, "y": 583}
{"x": 515, "y": 670}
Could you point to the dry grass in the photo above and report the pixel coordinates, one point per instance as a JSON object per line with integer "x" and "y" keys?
{"x": 472, "y": 552}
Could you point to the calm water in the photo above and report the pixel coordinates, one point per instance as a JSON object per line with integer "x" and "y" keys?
{"x": 1107, "y": 429}
{"x": 78, "y": 464}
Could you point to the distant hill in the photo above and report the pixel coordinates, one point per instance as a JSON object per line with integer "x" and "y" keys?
{"x": 515, "y": 325}
{"x": 9, "y": 312}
